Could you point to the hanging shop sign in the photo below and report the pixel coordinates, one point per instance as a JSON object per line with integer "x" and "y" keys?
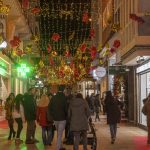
{"x": 117, "y": 70}
{"x": 100, "y": 72}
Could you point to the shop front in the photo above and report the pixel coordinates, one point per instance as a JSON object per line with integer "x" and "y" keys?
{"x": 143, "y": 88}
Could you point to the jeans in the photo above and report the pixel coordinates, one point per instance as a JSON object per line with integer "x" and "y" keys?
{"x": 31, "y": 126}
{"x": 20, "y": 126}
{"x": 47, "y": 135}
{"x": 113, "y": 130}
{"x": 11, "y": 127}
{"x": 77, "y": 139}
{"x": 60, "y": 127}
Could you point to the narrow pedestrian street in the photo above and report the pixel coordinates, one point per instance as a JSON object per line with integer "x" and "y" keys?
{"x": 128, "y": 138}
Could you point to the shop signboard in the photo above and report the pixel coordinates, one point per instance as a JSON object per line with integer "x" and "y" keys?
{"x": 117, "y": 70}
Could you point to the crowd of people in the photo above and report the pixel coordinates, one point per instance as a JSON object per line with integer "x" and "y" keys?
{"x": 62, "y": 111}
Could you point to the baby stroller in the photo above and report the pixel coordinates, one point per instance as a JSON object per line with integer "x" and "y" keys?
{"x": 91, "y": 136}
{"x": 92, "y": 139}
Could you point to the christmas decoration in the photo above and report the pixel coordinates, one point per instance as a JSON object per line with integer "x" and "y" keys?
{"x": 15, "y": 42}
{"x": 85, "y": 17}
{"x": 55, "y": 37}
{"x": 137, "y": 18}
{"x": 116, "y": 43}
{"x": 4, "y": 9}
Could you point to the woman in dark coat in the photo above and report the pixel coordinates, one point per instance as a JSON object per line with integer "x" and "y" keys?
{"x": 79, "y": 114}
{"x": 113, "y": 114}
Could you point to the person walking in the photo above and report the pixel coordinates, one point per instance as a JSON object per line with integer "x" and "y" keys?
{"x": 30, "y": 116}
{"x": 18, "y": 115}
{"x": 78, "y": 114}
{"x": 44, "y": 122}
{"x": 9, "y": 108}
{"x": 97, "y": 107}
{"x": 146, "y": 112}
{"x": 58, "y": 110}
{"x": 113, "y": 114}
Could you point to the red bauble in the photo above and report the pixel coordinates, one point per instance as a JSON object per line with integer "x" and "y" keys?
{"x": 55, "y": 37}
{"x": 85, "y": 17}
{"x": 83, "y": 47}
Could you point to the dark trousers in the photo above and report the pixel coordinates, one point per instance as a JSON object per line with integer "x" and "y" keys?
{"x": 11, "y": 127}
{"x": 47, "y": 135}
{"x": 31, "y": 127}
{"x": 77, "y": 135}
{"x": 113, "y": 130}
{"x": 20, "y": 126}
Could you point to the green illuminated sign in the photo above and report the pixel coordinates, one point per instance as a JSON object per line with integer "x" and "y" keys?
{"x": 23, "y": 70}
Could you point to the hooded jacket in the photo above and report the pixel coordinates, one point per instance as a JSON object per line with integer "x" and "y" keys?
{"x": 78, "y": 114}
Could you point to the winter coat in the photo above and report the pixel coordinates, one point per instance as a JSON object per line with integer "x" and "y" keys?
{"x": 19, "y": 114}
{"x": 97, "y": 105}
{"x": 113, "y": 111}
{"x": 9, "y": 108}
{"x": 29, "y": 107}
{"x": 146, "y": 111}
{"x": 58, "y": 107}
{"x": 42, "y": 111}
{"x": 78, "y": 113}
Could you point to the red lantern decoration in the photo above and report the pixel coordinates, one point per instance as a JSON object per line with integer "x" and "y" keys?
{"x": 55, "y": 37}
{"x": 35, "y": 10}
{"x": 85, "y": 17}
{"x": 116, "y": 43}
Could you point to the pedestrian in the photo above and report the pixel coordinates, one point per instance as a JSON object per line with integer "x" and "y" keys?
{"x": 58, "y": 109}
{"x": 146, "y": 112}
{"x": 30, "y": 116}
{"x": 79, "y": 114}
{"x": 18, "y": 115}
{"x": 113, "y": 114}
{"x": 97, "y": 107}
{"x": 44, "y": 122}
{"x": 9, "y": 108}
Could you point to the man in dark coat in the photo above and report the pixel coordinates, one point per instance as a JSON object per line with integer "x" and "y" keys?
{"x": 30, "y": 115}
{"x": 58, "y": 110}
